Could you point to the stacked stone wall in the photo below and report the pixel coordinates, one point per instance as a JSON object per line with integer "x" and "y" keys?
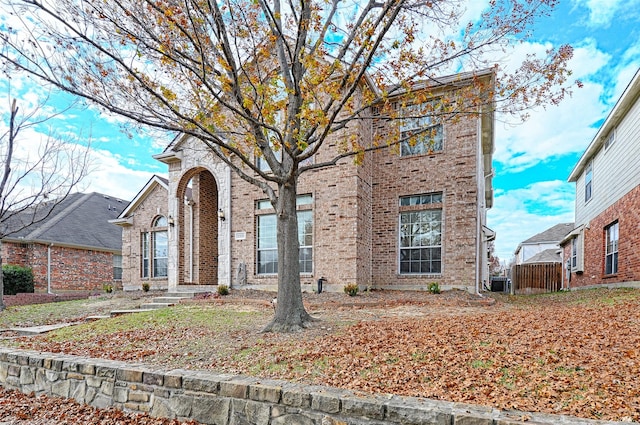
{"x": 224, "y": 399}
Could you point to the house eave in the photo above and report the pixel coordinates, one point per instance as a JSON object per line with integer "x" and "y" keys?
{"x": 619, "y": 111}
{"x": 62, "y": 244}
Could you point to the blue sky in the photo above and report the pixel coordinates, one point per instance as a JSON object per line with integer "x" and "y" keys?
{"x": 532, "y": 160}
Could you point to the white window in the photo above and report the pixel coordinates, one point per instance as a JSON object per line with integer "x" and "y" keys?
{"x": 420, "y": 133}
{"x": 611, "y": 138}
{"x": 588, "y": 182}
{"x": 145, "y": 248}
{"x": 155, "y": 250}
{"x": 420, "y": 236}
{"x": 577, "y": 253}
{"x": 117, "y": 267}
{"x": 267, "y": 245}
{"x": 611, "y": 253}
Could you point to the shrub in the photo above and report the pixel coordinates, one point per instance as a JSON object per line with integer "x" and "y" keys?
{"x": 146, "y": 286}
{"x": 108, "y": 288}
{"x": 17, "y": 279}
{"x": 434, "y": 288}
{"x": 351, "y": 289}
{"x": 223, "y": 290}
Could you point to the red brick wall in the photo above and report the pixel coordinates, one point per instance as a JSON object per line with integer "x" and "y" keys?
{"x": 71, "y": 269}
{"x": 627, "y": 212}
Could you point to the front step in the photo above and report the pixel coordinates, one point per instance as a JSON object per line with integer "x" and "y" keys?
{"x": 169, "y": 300}
{"x": 179, "y": 295}
{"x": 115, "y": 313}
{"x": 156, "y": 305}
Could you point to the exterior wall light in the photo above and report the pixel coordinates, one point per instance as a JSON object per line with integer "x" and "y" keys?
{"x": 221, "y": 215}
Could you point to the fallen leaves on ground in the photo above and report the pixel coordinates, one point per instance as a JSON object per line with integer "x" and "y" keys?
{"x": 29, "y": 409}
{"x": 575, "y": 354}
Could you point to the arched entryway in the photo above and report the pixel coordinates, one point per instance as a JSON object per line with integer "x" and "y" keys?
{"x": 197, "y": 228}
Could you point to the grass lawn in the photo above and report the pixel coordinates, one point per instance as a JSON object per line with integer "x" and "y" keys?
{"x": 572, "y": 353}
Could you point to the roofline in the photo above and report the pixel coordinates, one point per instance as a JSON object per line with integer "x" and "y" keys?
{"x": 142, "y": 194}
{"x": 622, "y": 106}
{"x": 61, "y": 244}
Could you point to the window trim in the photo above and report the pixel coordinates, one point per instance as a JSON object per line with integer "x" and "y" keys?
{"x": 611, "y": 248}
{"x": 428, "y": 130}
{"x": 419, "y": 203}
{"x": 588, "y": 182}
{"x": 148, "y": 259}
{"x": 304, "y": 205}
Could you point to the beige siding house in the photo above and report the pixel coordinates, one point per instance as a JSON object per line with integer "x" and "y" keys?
{"x": 603, "y": 247}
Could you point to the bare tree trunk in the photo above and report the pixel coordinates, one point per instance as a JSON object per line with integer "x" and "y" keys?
{"x": 290, "y": 315}
{"x": 2, "y": 306}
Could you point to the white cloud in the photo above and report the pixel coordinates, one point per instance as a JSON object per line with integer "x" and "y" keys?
{"x": 521, "y": 213}
{"x": 559, "y": 130}
{"x": 111, "y": 177}
{"x": 603, "y": 12}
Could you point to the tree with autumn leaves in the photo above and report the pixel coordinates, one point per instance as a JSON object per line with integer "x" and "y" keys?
{"x": 273, "y": 80}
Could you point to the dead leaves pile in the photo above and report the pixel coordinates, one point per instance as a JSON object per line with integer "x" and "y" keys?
{"x": 576, "y": 358}
{"x": 25, "y": 409}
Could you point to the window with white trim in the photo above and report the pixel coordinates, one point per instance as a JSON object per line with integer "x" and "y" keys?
{"x": 117, "y": 267}
{"x": 420, "y": 132}
{"x": 420, "y": 234}
{"x": 611, "y": 251}
{"x": 588, "y": 182}
{"x": 154, "y": 250}
{"x": 267, "y": 245}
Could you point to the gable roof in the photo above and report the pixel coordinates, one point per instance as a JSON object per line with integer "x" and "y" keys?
{"x": 627, "y": 100}
{"x": 552, "y": 234}
{"x": 124, "y": 218}
{"x": 81, "y": 220}
{"x": 547, "y": 256}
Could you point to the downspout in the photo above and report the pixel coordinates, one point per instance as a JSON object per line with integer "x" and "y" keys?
{"x": 191, "y": 241}
{"x": 479, "y": 254}
{"x": 49, "y": 269}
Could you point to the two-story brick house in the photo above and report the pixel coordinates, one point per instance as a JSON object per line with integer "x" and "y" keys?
{"x": 603, "y": 247}
{"x": 399, "y": 220}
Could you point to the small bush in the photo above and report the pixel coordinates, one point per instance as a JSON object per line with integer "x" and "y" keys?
{"x": 223, "y": 290}
{"x": 351, "y": 289}
{"x": 17, "y": 279}
{"x": 107, "y": 287}
{"x": 146, "y": 286}
{"x": 434, "y": 288}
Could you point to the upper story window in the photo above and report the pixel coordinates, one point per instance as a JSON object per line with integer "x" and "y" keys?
{"x": 611, "y": 138}
{"x": 588, "y": 182}
{"x": 420, "y": 133}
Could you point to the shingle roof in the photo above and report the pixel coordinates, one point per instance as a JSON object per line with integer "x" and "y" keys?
{"x": 80, "y": 220}
{"x": 553, "y": 234}
{"x": 546, "y": 256}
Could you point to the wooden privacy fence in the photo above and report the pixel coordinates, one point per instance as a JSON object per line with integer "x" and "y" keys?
{"x": 536, "y": 278}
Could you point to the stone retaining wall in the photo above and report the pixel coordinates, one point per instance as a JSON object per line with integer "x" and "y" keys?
{"x": 223, "y": 399}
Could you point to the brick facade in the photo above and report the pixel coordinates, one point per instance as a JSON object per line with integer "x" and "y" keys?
{"x": 626, "y": 211}
{"x": 72, "y": 269}
{"x": 150, "y": 207}
{"x": 355, "y": 211}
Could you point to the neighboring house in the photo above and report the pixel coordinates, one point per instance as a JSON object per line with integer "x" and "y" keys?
{"x": 74, "y": 248}
{"x": 398, "y": 221}
{"x": 543, "y": 247}
{"x": 603, "y": 247}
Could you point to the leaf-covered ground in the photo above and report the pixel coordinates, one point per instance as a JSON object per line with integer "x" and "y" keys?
{"x": 570, "y": 353}
{"x": 27, "y": 409}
